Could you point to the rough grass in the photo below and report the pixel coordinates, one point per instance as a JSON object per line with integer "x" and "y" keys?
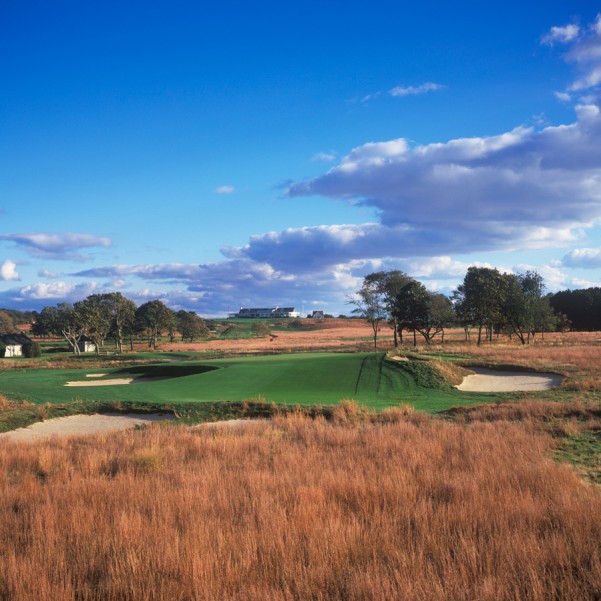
{"x": 579, "y": 360}
{"x": 298, "y": 509}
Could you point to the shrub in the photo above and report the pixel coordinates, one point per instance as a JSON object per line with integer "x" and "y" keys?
{"x": 32, "y": 350}
{"x": 260, "y": 328}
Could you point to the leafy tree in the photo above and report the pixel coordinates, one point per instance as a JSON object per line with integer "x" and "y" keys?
{"x": 191, "y": 326}
{"x": 123, "y": 314}
{"x": 70, "y": 324}
{"x": 389, "y": 284}
{"x": 581, "y": 308}
{"x": 96, "y": 316}
{"x": 46, "y": 323}
{"x": 441, "y": 312}
{"x": 7, "y": 324}
{"x": 370, "y": 304}
{"x": 419, "y": 310}
{"x": 152, "y": 318}
{"x": 480, "y": 299}
{"x": 260, "y": 328}
{"x": 526, "y": 310}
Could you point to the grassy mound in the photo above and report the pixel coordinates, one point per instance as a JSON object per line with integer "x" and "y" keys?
{"x": 303, "y": 379}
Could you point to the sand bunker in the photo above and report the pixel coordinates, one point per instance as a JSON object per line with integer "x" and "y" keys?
{"x": 488, "y": 380}
{"x": 83, "y": 424}
{"x": 129, "y": 379}
{"x": 109, "y": 382}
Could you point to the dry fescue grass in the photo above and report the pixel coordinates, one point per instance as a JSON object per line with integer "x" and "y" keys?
{"x": 298, "y": 509}
{"x": 581, "y": 362}
{"x": 557, "y": 418}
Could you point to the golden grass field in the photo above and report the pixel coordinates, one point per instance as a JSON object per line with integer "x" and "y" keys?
{"x": 295, "y": 509}
{"x": 397, "y": 505}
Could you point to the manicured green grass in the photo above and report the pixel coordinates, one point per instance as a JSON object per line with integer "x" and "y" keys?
{"x": 303, "y": 379}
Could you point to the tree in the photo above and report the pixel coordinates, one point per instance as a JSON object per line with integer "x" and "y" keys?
{"x": 46, "y": 323}
{"x": 191, "y": 326}
{"x": 441, "y": 312}
{"x": 419, "y": 310}
{"x": 525, "y": 309}
{"x": 260, "y": 328}
{"x": 370, "y": 304}
{"x": 581, "y": 308}
{"x": 480, "y": 299}
{"x": 7, "y": 324}
{"x": 96, "y": 316}
{"x": 152, "y": 318}
{"x": 389, "y": 284}
{"x": 70, "y": 325}
{"x": 123, "y": 314}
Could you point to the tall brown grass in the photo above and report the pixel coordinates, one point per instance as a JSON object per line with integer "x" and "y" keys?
{"x": 298, "y": 509}
{"x": 581, "y": 362}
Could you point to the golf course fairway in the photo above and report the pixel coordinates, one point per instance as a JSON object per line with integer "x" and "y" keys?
{"x": 303, "y": 379}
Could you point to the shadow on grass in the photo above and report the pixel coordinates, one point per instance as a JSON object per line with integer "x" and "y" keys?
{"x": 164, "y": 371}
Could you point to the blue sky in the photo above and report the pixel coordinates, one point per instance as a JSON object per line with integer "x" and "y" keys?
{"x": 216, "y": 155}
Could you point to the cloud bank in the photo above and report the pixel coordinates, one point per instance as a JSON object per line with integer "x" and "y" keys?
{"x": 64, "y": 246}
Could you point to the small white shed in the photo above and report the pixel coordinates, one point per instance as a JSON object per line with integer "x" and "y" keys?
{"x": 85, "y": 345}
{"x": 14, "y": 343}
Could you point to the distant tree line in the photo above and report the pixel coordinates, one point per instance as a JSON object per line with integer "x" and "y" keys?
{"x": 485, "y": 304}
{"x": 579, "y": 310}
{"x": 487, "y": 301}
{"x": 112, "y": 316}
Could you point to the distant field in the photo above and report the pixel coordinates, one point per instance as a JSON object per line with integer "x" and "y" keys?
{"x": 305, "y": 379}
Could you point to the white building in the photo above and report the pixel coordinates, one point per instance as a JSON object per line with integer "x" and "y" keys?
{"x": 266, "y": 312}
{"x": 14, "y": 343}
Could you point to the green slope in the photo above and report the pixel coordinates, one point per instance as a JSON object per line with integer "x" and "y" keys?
{"x": 307, "y": 379}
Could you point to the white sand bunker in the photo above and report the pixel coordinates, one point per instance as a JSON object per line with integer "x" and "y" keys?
{"x": 109, "y": 382}
{"x": 489, "y": 380}
{"x": 128, "y": 379}
{"x": 83, "y": 424}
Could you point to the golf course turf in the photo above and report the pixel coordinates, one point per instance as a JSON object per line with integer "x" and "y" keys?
{"x": 294, "y": 379}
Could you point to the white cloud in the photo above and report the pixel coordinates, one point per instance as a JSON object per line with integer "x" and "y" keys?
{"x": 584, "y": 52}
{"x": 50, "y": 275}
{"x": 57, "y": 290}
{"x": 561, "y": 34}
{"x": 441, "y": 267}
{"x": 225, "y": 189}
{"x": 8, "y": 271}
{"x": 63, "y": 246}
{"x": 328, "y": 157}
{"x": 563, "y": 96}
{"x": 586, "y": 258}
{"x": 520, "y": 189}
{"x": 415, "y": 90}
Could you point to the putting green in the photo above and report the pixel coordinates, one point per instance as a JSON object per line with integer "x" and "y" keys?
{"x": 305, "y": 378}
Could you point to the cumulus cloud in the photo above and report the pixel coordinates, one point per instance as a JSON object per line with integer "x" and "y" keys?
{"x": 416, "y": 90}
{"x": 8, "y": 271}
{"x": 225, "y": 189}
{"x": 561, "y": 35}
{"x": 586, "y": 258}
{"x": 584, "y": 51}
{"x": 520, "y": 189}
{"x": 62, "y": 246}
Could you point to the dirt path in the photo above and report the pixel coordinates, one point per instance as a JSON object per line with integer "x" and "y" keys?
{"x": 488, "y": 380}
{"x": 83, "y": 424}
